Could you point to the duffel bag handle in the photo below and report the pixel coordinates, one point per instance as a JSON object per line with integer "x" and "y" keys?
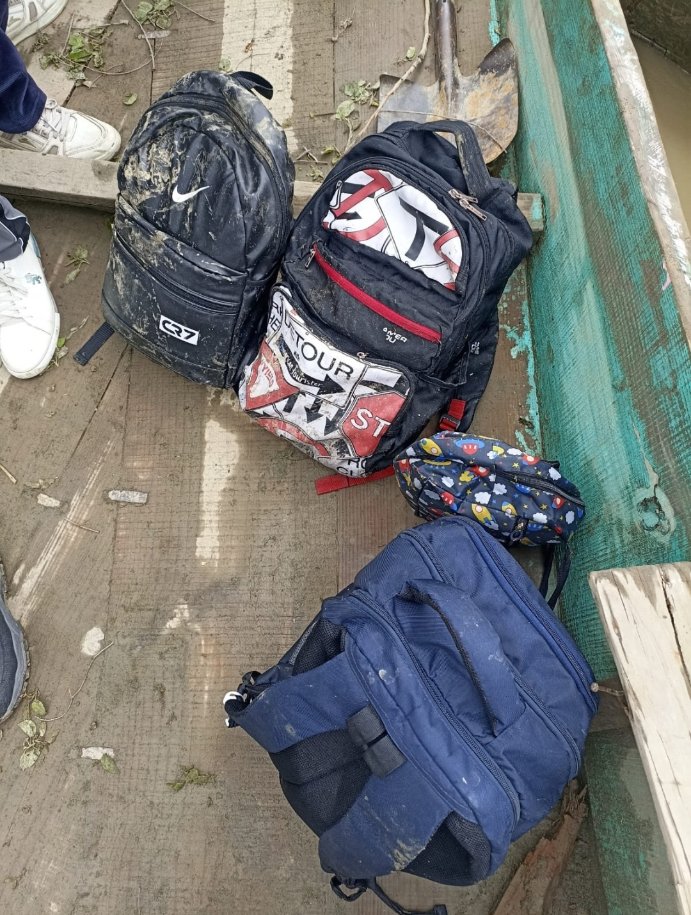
{"x": 469, "y": 153}
{"x": 478, "y": 645}
{"x": 254, "y": 81}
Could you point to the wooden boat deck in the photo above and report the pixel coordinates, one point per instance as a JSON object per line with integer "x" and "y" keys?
{"x": 226, "y": 563}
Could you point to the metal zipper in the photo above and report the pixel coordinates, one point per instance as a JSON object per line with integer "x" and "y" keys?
{"x": 542, "y": 709}
{"x": 468, "y": 203}
{"x": 455, "y": 723}
{"x": 539, "y": 483}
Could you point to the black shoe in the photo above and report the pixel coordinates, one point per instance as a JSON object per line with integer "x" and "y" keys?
{"x": 13, "y": 659}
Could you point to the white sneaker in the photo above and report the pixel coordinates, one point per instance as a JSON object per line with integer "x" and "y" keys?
{"x": 63, "y": 132}
{"x": 29, "y": 320}
{"x": 29, "y": 16}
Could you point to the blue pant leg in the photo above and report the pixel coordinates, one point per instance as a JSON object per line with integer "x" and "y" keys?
{"x": 21, "y": 101}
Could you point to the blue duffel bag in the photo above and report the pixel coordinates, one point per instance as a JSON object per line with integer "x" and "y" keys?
{"x": 431, "y": 713}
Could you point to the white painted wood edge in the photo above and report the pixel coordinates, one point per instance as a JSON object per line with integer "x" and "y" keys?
{"x": 646, "y": 613}
{"x": 648, "y": 151}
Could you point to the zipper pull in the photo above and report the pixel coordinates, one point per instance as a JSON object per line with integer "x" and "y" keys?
{"x": 468, "y": 203}
{"x": 310, "y": 257}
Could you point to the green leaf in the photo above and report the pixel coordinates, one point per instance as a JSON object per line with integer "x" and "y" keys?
{"x": 28, "y": 758}
{"x": 38, "y": 708}
{"x": 42, "y": 727}
{"x": 143, "y": 10}
{"x": 28, "y": 727}
{"x": 108, "y": 764}
{"x": 61, "y": 342}
{"x": 72, "y": 275}
{"x": 411, "y": 53}
{"x": 344, "y": 110}
{"x": 130, "y": 99}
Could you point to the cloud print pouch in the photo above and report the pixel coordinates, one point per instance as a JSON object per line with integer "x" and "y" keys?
{"x": 517, "y": 497}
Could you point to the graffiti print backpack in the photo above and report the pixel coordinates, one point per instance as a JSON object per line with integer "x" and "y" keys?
{"x": 387, "y": 312}
{"x": 431, "y": 713}
{"x": 201, "y": 222}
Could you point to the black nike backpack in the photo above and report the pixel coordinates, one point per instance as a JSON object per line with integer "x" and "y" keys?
{"x": 387, "y": 312}
{"x": 201, "y": 222}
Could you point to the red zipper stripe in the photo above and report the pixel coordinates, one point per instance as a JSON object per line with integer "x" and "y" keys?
{"x": 420, "y": 330}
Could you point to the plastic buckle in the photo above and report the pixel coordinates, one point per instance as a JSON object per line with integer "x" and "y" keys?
{"x": 449, "y": 423}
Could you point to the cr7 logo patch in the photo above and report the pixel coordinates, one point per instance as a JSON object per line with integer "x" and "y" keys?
{"x": 179, "y": 331}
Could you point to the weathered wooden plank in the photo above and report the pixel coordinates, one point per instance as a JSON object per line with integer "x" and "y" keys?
{"x": 194, "y": 43}
{"x": 533, "y": 886}
{"x": 646, "y": 612}
{"x": 58, "y": 179}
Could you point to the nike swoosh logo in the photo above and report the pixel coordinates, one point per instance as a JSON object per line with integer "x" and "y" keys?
{"x": 181, "y": 198}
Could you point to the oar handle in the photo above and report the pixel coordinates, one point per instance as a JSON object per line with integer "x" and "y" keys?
{"x": 445, "y": 46}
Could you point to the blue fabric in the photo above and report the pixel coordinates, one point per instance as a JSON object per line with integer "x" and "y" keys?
{"x": 475, "y": 681}
{"x": 21, "y": 101}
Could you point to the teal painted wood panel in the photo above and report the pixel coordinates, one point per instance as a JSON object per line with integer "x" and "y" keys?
{"x": 611, "y": 358}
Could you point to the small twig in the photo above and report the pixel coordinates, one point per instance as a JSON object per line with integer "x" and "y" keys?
{"x": 74, "y": 696}
{"x": 116, "y": 72}
{"x": 69, "y": 32}
{"x": 82, "y": 526}
{"x": 409, "y": 72}
{"x": 189, "y": 9}
{"x": 10, "y": 476}
{"x": 306, "y": 152}
{"x": 143, "y": 31}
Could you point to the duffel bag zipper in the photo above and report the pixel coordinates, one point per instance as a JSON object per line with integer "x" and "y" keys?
{"x": 544, "y": 624}
{"x": 556, "y": 725}
{"x": 364, "y": 298}
{"x": 254, "y": 141}
{"x": 476, "y": 747}
{"x": 540, "y": 483}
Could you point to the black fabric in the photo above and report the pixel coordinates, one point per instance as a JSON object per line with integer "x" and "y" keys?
{"x": 458, "y": 854}
{"x": 315, "y": 757}
{"x": 323, "y": 643}
{"x": 365, "y": 727}
{"x": 201, "y": 221}
{"x": 322, "y": 777}
{"x": 94, "y": 343}
{"x": 356, "y": 888}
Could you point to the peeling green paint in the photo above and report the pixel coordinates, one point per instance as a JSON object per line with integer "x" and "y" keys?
{"x": 611, "y": 360}
{"x": 494, "y": 31}
{"x": 521, "y": 337}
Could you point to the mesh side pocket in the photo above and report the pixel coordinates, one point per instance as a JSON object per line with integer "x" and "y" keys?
{"x": 458, "y": 854}
{"x": 322, "y": 777}
{"x": 322, "y": 643}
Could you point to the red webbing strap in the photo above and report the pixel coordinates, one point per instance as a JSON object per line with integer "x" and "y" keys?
{"x": 336, "y": 481}
{"x": 451, "y": 420}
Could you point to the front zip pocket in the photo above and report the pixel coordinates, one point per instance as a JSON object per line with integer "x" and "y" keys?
{"x": 414, "y": 327}
{"x": 303, "y": 386}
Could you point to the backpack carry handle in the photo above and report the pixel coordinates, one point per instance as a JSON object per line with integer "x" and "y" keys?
{"x": 479, "y": 646}
{"x": 469, "y": 153}
{"x": 255, "y": 82}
